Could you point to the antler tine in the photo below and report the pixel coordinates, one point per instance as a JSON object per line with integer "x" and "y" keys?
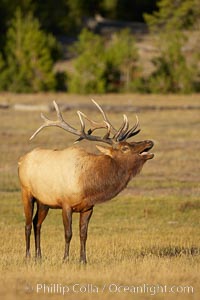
{"x": 60, "y": 117}
{"x": 59, "y": 123}
{"x": 95, "y": 125}
{"x": 133, "y": 130}
{"x": 80, "y": 114}
{"x": 90, "y": 137}
{"x": 125, "y": 129}
{"x": 46, "y": 121}
{"x": 104, "y": 116}
{"x": 122, "y": 130}
{"x": 107, "y": 135}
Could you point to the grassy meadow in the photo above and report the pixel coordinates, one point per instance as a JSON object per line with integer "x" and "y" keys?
{"x": 147, "y": 237}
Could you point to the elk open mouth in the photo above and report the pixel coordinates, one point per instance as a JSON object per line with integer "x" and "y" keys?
{"x": 145, "y": 152}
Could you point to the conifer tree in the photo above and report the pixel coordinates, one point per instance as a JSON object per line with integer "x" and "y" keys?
{"x": 104, "y": 66}
{"x": 174, "y": 24}
{"x": 28, "y": 57}
{"x": 179, "y": 14}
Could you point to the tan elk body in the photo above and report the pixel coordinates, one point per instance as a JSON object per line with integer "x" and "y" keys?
{"x": 75, "y": 180}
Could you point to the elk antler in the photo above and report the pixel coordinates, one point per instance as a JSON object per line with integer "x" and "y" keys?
{"x": 118, "y": 135}
{"x": 60, "y": 122}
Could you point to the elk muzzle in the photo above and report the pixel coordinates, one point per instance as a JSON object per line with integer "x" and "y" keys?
{"x": 144, "y": 151}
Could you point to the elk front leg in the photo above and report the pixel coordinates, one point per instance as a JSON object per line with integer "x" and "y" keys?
{"x": 67, "y": 222}
{"x": 28, "y": 203}
{"x": 84, "y": 221}
{"x": 42, "y": 211}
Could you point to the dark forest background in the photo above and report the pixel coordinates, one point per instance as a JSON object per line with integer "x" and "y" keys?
{"x": 67, "y": 17}
{"x": 36, "y": 35}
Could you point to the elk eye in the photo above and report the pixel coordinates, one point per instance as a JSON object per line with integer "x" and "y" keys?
{"x": 125, "y": 149}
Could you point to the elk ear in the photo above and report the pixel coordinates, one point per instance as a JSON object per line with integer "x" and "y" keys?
{"x": 105, "y": 150}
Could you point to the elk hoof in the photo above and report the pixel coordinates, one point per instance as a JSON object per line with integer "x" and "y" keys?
{"x": 83, "y": 261}
{"x": 65, "y": 259}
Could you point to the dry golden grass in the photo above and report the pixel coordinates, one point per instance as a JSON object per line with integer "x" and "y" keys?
{"x": 147, "y": 236}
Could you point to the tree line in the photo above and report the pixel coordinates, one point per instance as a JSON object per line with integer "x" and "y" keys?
{"x": 30, "y": 49}
{"x": 66, "y": 16}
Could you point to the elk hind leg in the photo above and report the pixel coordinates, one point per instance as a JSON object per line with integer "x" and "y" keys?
{"x": 41, "y": 213}
{"x": 83, "y": 226}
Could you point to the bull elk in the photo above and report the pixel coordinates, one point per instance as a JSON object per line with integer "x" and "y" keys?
{"x": 75, "y": 180}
